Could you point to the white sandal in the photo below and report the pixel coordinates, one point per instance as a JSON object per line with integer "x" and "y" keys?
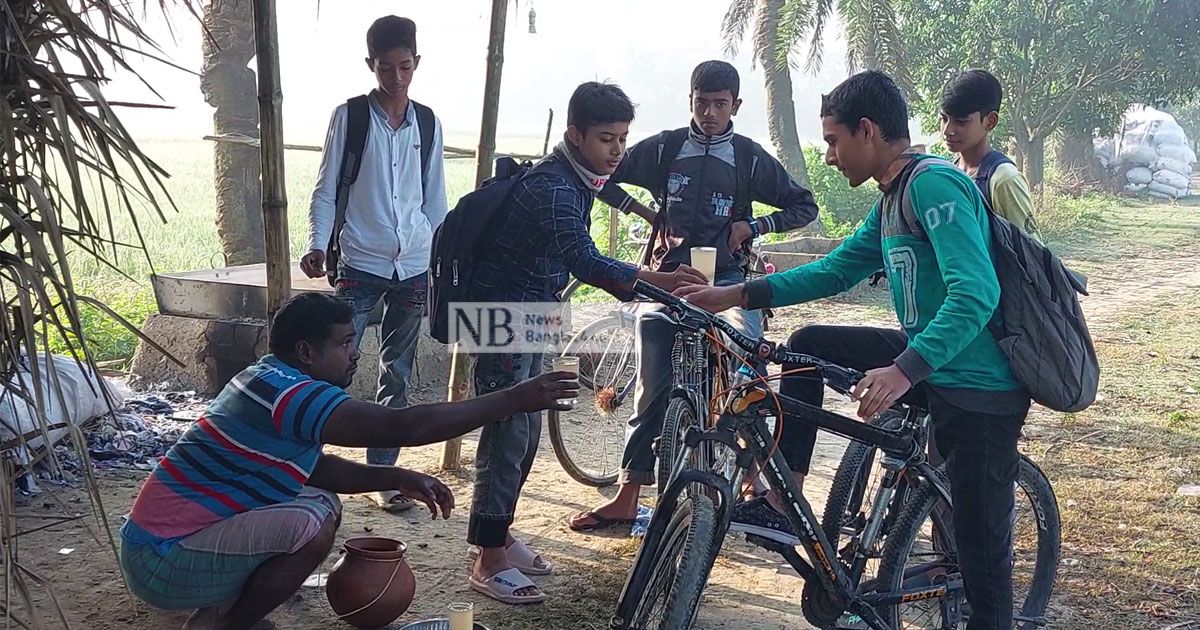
{"x": 504, "y": 585}
{"x": 522, "y": 556}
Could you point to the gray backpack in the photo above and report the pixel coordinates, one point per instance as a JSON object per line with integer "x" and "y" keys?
{"x": 1040, "y": 327}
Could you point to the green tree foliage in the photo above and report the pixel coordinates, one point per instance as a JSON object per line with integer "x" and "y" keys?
{"x": 1064, "y": 64}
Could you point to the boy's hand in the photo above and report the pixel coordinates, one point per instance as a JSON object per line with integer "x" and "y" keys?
{"x": 879, "y": 389}
{"x": 669, "y": 281}
{"x": 739, "y": 233}
{"x": 712, "y": 299}
{"x": 313, "y": 264}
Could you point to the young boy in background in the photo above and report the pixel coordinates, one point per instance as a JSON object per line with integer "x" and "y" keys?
{"x": 970, "y": 110}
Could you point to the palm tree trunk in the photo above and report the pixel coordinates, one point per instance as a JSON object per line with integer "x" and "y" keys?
{"x": 781, "y": 111}
{"x": 229, "y": 86}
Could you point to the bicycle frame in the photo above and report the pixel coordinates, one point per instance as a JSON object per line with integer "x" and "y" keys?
{"x": 823, "y": 565}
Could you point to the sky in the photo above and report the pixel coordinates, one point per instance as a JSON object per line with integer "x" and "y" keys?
{"x": 649, "y": 47}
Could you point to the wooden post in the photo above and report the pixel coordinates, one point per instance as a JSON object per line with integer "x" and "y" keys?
{"x": 614, "y": 223}
{"x": 549, "y": 126}
{"x": 491, "y": 93}
{"x": 460, "y": 364}
{"x": 274, "y": 186}
{"x": 460, "y": 389}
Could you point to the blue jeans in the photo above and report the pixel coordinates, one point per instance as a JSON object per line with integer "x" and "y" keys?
{"x": 506, "y": 450}
{"x": 403, "y": 309}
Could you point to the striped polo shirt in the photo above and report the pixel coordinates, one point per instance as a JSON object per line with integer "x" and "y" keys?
{"x": 255, "y": 445}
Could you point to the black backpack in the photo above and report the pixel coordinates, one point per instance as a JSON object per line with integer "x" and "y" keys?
{"x": 358, "y": 121}
{"x": 1041, "y": 328}
{"x": 459, "y": 239}
{"x": 983, "y": 175}
{"x": 744, "y": 161}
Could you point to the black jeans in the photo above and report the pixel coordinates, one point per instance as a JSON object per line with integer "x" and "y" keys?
{"x": 980, "y": 451}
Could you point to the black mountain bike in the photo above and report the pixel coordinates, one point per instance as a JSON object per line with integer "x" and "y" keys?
{"x": 917, "y": 570}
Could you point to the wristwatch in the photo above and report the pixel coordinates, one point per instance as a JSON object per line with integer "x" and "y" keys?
{"x": 755, "y": 230}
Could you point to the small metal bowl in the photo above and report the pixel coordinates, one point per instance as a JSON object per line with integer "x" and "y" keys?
{"x": 438, "y": 623}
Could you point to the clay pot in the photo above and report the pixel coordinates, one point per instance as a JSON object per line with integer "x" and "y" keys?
{"x": 371, "y": 584}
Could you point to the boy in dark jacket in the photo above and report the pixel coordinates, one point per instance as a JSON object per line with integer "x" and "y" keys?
{"x": 705, "y": 178}
{"x": 541, "y": 238}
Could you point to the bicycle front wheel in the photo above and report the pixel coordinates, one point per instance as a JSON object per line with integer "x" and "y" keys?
{"x": 681, "y": 415}
{"x": 681, "y": 565}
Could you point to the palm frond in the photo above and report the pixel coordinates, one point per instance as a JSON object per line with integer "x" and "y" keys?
{"x": 67, "y": 166}
{"x": 733, "y": 26}
{"x": 822, "y": 12}
{"x": 795, "y": 19}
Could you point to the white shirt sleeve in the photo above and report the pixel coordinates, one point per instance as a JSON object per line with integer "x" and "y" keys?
{"x": 435, "y": 205}
{"x": 322, "y": 209}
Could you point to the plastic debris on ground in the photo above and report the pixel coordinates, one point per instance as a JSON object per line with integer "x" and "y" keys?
{"x": 316, "y": 580}
{"x": 143, "y": 430}
{"x": 642, "y": 522}
{"x": 136, "y": 436}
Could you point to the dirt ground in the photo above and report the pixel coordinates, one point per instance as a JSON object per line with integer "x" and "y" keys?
{"x": 749, "y": 588}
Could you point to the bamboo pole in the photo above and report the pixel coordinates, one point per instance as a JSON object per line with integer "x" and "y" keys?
{"x": 274, "y": 189}
{"x": 549, "y": 125}
{"x": 614, "y": 222}
{"x": 491, "y": 92}
{"x": 460, "y": 364}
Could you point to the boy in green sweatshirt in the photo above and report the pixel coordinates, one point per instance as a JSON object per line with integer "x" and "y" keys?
{"x": 945, "y": 292}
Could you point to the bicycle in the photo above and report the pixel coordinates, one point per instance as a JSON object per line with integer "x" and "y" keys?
{"x": 672, "y": 566}
{"x": 589, "y": 441}
{"x": 1036, "y": 520}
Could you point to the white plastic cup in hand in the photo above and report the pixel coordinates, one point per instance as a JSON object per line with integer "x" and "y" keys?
{"x": 704, "y": 260}
{"x": 567, "y": 364}
{"x": 462, "y": 615}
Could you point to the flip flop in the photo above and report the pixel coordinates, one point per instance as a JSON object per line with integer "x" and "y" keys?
{"x": 598, "y": 522}
{"x": 391, "y": 501}
{"x": 522, "y": 557}
{"x": 503, "y": 587}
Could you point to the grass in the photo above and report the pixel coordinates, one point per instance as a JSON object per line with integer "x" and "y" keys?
{"x": 1116, "y": 469}
{"x": 1129, "y": 541}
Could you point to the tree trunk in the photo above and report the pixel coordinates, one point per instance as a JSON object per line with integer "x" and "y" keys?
{"x": 1076, "y": 158}
{"x": 1031, "y": 154}
{"x": 229, "y": 86}
{"x": 781, "y": 110}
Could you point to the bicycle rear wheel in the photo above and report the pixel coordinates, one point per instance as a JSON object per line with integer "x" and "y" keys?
{"x": 588, "y": 441}
{"x": 1036, "y": 549}
{"x": 919, "y": 553}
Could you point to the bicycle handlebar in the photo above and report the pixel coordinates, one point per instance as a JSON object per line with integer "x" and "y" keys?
{"x": 839, "y": 377}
